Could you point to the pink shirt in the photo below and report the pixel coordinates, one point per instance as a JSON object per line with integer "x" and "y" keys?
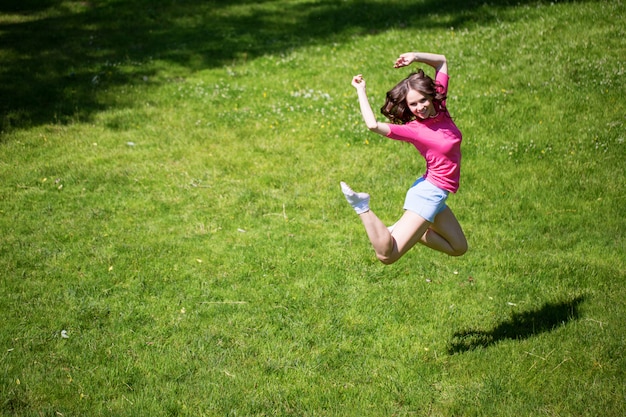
{"x": 438, "y": 140}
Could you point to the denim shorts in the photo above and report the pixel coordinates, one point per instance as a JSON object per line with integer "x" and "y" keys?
{"x": 426, "y": 199}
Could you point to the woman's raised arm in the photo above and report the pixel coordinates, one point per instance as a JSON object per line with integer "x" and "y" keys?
{"x": 437, "y": 61}
{"x": 366, "y": 109}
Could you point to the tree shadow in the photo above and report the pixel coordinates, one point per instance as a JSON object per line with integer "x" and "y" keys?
{"x": 60, "y": 55}
{"x": 520, "y": 326}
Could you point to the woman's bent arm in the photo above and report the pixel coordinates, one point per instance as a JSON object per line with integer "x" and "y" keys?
{"x": 437, "y": 61}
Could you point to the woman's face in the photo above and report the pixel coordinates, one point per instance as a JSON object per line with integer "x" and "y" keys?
{"x": 420, "y": 105}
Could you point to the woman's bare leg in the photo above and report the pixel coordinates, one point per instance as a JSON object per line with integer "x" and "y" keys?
{"x": 390, "y": 246}
{"x": 410, "y": 229}
{"x": 445, "y": 235}
{"x": 378, "y": 234}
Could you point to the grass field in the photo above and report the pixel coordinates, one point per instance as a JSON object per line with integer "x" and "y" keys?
{"x": 174, "y": 241}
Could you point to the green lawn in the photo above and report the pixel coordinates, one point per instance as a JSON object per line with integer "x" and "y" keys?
{"x": 174, "y": 241}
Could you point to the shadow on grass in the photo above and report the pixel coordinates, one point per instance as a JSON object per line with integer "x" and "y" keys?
{"x": 520, "y": 326}
{"x": 57, "y": 56}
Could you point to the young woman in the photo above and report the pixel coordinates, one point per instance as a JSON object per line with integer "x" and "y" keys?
{"x": 416, "y": 108}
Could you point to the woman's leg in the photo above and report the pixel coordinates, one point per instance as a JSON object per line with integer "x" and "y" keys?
{"x": 445, "y": 234}
{"x": 390, "y": 246}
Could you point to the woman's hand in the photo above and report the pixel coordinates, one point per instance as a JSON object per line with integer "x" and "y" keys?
{"x": 358, "y": 82}
{"x": 404, "y": 60}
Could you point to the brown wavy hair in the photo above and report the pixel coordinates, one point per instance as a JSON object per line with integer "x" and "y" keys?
{"x": 396, "y": 108}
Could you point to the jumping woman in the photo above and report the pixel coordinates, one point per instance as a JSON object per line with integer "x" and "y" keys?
{"x": 416, "y": 109}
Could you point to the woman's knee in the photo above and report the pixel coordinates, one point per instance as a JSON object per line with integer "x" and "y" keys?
{"x": 386, "y": 259}
{"x": 459, "y": 248}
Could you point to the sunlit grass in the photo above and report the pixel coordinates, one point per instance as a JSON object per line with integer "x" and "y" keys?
{"x": 178, "y": 213}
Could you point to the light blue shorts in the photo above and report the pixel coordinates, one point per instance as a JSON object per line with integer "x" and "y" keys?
{"x": 426, "y": 199}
